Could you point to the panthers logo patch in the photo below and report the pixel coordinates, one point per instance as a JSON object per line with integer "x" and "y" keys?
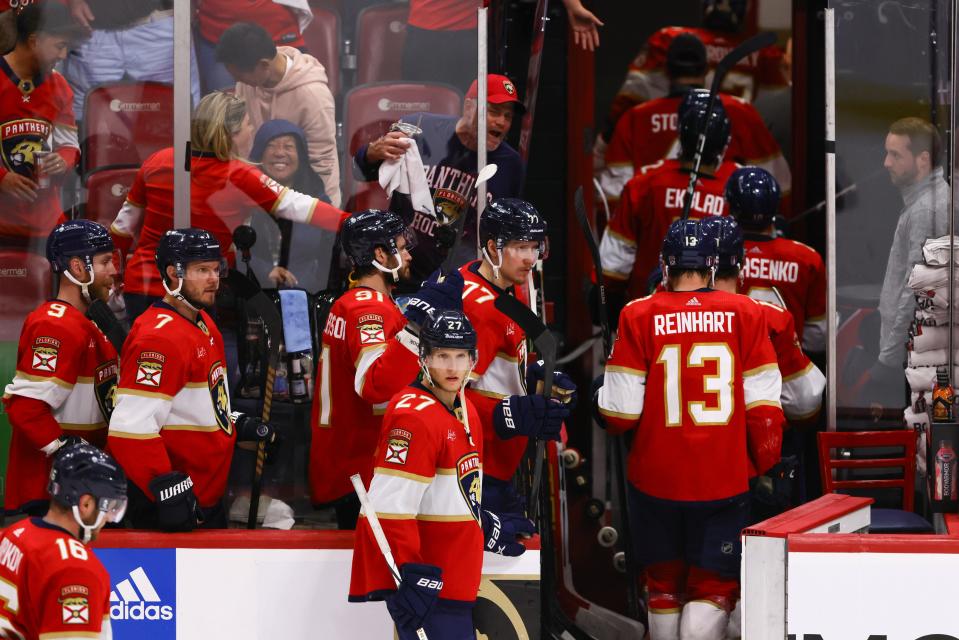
{"x": 471, "y": 482}
{"x": 220, "y": 397}
{"x": 105, "y": 387}
{"x": 20, "y": 141}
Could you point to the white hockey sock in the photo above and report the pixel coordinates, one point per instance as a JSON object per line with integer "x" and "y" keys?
{"x": 663, "y": 626}
{"x": 734, "y": 630}
{"x": 703, "y": 620}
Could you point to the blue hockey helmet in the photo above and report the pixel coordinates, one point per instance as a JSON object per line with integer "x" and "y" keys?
{"x": 728, "y": 235}
{"x": 753, "y": 197}
{"x": 364, "y": 231}
{"x": 686, "y": 56}
{"x": 179, "y": 247}
{"x": 82, "y": 469}
{"x": 447, "y": 329}
{"x": 686, "y": 246}
{"x": 724, "y": 15}
{"x": 77, "y": 239}
{"x": 691, "y": 122}
{"x": 506, "y": 219}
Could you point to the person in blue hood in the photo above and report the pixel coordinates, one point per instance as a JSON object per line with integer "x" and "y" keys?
{"x": 295, "y": 254}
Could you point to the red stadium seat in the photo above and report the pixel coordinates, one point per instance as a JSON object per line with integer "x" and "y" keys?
{"x": 125, "y": 123}
{"x": 371, "y": 109}
{"x": 25, "y": 279}
{"x": 380, "y": 36}
{"x": 322, "y": 38}
{"x": 848, "y": 448}
{"x": 106, "y": 191}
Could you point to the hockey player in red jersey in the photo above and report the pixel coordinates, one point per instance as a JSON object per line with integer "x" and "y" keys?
{"x": 693, "y": 373}
{"x": 66, "y": 374}
{"x": 654, "y": 198}
{"x": 776, "y": 269}
{"x": 52, "y": 585}
{"x": 648, "y": 132}
{"x": 722, "y": 22}
{"x": 803, "y": 382}
{"x": 172, "y": 429}
{"x": 427, "y": 492}
{"x": 37, "y": 125}
{"x": 514, "y": 237}
{"x": 369, "y": 353}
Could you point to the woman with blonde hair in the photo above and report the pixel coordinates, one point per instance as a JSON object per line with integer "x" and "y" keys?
{"x": 223, "y": 191}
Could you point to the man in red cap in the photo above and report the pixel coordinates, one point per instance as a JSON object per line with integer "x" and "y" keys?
{"x": 447, "y": 146}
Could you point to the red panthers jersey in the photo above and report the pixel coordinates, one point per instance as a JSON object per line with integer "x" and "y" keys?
{"x": 649, "y": 132}
{"x": 65, "y": 383}
{"x": 646, "y": 77}
{"x": 36, "y": 114}
{"x": 651, "y": 202}
{"x": 216, "y": 16}
{"x": 803, "y": 382}
{"x": 365, "y": 360}
{"x": 173, "y": 403}
{"x": 222, "y": 195}
{"x": 695, "y": 374}
{"x": 500, "y": 369}
{"x": 793, "y": 275}
{"x": 426, "y": 491}
{"x": 52, "y": 586}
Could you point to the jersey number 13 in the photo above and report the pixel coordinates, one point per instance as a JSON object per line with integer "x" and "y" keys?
{"x": 716, "y": 411}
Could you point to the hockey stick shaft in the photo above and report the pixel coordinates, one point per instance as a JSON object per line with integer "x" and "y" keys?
{"x": 482, "y": 176}
{"x": 619, "y": 453}
{"x": 730, "y": 60}
{"x": 378, "y": 534}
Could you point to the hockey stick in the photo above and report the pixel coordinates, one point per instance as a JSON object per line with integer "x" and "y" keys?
{"x": 484, "y": 174}
{"x": 754, "y": 44}
{"x": 545, "y": 344}
{"x": 378, "y": 535}
{"x": 100, "y": 314}
{"x": 619, "y": 455}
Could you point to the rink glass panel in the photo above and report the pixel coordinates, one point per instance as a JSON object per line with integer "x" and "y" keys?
{"x": 892, "y": 61}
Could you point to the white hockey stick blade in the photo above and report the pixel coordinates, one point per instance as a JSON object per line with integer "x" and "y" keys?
{"x": 486, "y": 173}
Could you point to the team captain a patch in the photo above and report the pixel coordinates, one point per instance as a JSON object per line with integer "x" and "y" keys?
{"x": 75, "y": 604}
{"x": 150, "y": 368}
{"x": 398, "y": 446}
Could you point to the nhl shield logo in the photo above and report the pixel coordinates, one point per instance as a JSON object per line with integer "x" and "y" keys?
{"x": 470, "y": 482}
{"x": 220, "y": 397}
{"x": 20, "y": 141}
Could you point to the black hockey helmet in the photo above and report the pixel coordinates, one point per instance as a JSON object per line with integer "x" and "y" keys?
{"x": 753, "y": 197}
{"x": 82, "y": 469}
{"x": 686, "y": 56}
{"x": 447, "y": 329}
{"x": 506, "y": 219}
{"x": 179, "y": 247}
{"x": 728, "y": 236}
{"x": 691, "y": 123}
{"x": 77, "y": 238}
{"x": 686, "y": 246}
{"x": 364, "y": 231}
{"x": 724, "y": 15}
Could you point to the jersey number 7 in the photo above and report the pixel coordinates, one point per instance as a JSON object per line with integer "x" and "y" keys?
{"x": 719, "y": 385}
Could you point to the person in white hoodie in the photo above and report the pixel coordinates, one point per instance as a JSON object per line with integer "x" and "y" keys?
{"x": 284, "y": 83}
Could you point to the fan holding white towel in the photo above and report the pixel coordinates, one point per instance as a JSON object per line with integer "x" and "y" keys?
{"x": 407, "y": 175}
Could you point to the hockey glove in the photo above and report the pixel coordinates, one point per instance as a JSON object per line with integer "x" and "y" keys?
{"x": 598, "y": 382}
{"x": 252, "y": 429}
{"x": 416, "y": 595}
{"x": 63, "y": 441}
{"x": 564, "y": 389}
{"x": 434, "y": 296}
{"x": 776, "y": 487}
{"x": 176, "y": 505}
{"x": 499, "y": 496}
{"x": 530, "y": 416}
{"x": 500, "y": 531}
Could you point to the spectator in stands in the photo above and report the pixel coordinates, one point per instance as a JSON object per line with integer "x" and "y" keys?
{"x": 284, "y": 20}
{"x": 223, "y": 190}
{"x": 129, "y": 40}
{"x": 294, "y": 253}
{"x": 441, "y": 39}
{"x": 39, "y": 150}
{"x": 450, "y": 142}
{"x": 284, "y": 83}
